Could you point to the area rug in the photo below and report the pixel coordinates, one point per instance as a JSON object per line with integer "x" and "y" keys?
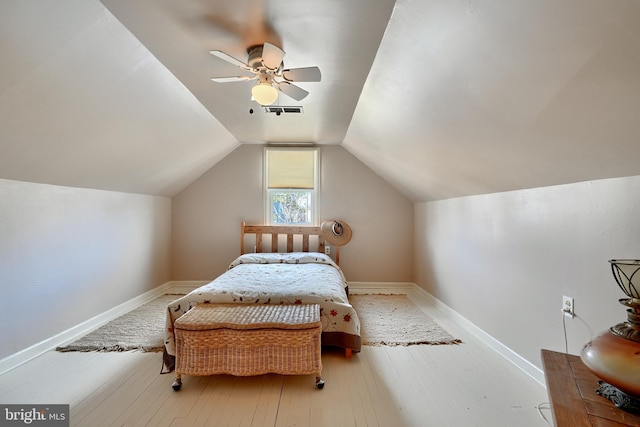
{"x": 140, "y": 329}
{"x": 394, "y": 320}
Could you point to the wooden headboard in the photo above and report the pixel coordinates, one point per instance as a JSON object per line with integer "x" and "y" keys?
{"x": 310, "y": 239}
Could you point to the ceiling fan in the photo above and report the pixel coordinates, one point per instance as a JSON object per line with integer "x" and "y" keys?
{"x": 265, "y": 62}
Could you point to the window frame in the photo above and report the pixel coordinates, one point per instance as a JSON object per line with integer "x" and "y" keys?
{"x": 315, "y": 191}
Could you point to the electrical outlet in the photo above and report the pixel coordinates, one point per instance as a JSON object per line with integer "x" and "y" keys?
{"x": 327, "y": 249}
{"x": 567, "y": 306}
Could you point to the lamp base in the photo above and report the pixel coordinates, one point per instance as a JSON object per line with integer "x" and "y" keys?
{"x": 619, "y": 398}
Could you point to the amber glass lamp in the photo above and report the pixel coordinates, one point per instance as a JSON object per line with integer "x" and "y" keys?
{"x": 614, "y": 355}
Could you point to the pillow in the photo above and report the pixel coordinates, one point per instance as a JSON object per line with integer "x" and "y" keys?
{"x": 283, "y": 258}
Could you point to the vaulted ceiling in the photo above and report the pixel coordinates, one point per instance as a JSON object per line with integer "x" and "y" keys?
{"x": 442, "y": 98}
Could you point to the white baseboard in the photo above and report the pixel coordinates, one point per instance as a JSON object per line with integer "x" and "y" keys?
{"x": 513, "y": 357}
{"x": 83, "y": 328}
{"x": 185, "y": 286}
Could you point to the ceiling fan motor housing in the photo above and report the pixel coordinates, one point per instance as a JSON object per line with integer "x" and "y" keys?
{"x": 255, "y": 59}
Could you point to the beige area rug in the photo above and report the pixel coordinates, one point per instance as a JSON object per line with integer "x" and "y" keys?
{"x": 140, "y": 329}
{"x": 394, "y": 320}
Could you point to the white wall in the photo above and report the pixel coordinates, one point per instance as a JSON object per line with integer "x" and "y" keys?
{"x": 208, "y": 213}
{"x": 68, "y": 254}
{"x": 504, "y": 260}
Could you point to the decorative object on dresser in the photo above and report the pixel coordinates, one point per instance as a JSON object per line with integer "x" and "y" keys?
{"x": 614, "y": 355}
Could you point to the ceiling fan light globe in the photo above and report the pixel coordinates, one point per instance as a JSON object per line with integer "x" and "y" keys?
{"x": 264, "y": 94}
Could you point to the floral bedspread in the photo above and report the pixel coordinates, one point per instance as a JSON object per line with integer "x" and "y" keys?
{"x": 277, "y": 278}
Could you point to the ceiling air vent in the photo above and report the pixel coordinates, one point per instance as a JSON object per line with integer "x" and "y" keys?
{"x": 281, "y": 110}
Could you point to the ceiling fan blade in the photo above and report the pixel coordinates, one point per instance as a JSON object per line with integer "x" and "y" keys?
{"x": 229, "y": 59}
{"x": 292, "y": 90}
{"x": 272, "y": 56}
{"x": 308, "y": 74}
{"x": 232, "y": 79}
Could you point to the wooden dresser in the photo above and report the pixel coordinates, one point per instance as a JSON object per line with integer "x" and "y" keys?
{"x": 572, "y": 394}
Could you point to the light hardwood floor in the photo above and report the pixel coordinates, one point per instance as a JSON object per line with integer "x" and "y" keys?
{"x": 448, "y": 385}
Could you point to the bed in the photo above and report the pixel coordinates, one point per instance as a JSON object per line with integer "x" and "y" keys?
{"x": 294, "y": 270}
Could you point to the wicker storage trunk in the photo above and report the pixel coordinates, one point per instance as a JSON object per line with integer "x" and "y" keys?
{"x": 249, "y": 339}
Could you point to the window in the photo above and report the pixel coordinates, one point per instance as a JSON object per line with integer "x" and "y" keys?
{"x": 291, "y": 180}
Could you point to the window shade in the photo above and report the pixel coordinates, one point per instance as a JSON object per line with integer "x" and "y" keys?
{"x": 290, "y": 168}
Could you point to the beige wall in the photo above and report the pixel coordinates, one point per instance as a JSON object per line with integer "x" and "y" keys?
{"x": 504, "y": 260}
{"x": 69, "y": 254}
{"x": 208, "y": 213}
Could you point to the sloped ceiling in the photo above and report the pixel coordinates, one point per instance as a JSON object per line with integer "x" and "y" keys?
{"x": 84, "y": 104}
{"x": 473, "y": 97}
{"x": 441, "y": 98}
